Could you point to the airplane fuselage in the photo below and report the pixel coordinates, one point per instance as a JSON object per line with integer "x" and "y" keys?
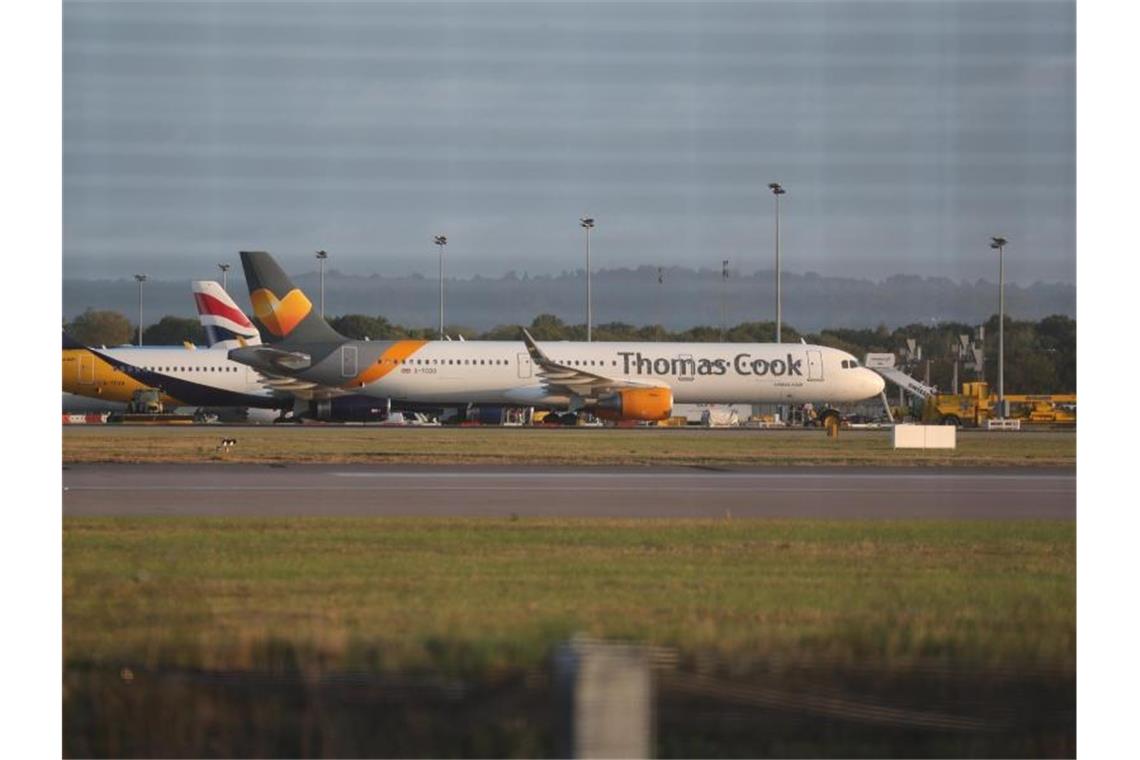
{"x": 503, "y": 372}
{"x": 206, "y": 377}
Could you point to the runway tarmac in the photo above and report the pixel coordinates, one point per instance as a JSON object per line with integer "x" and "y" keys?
{"x": 485, "y": 491}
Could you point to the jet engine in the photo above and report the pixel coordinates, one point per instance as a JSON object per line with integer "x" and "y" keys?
{"x": 345, "y": 409}
{"x": 636, "y": 404}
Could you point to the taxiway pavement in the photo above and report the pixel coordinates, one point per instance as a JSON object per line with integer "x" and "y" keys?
{"x": 259, "y": 490}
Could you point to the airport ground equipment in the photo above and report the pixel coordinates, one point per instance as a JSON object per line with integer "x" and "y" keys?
{"x": 145, "y": 407}
{"x": 977, "y": 406}
{"x": 884, "y": 364}
{"x": 145, "y": 401}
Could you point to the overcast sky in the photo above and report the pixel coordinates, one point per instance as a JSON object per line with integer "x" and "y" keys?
{"x": 906, "y": 134}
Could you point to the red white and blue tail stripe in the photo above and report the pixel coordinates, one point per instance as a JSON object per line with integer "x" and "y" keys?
{"x": 225, "y": 323}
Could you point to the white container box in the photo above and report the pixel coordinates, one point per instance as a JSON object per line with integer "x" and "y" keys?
{"x": 924, "y": 437}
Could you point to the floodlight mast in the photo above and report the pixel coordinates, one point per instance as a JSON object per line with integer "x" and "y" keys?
{"x": 723, "y": 296}
{"x": 441, "y": 241}
{"x": 999, "y": 244}
{"x": 321, "y": 256}
{"x": 777, "y": 191}
{"x": 588, "y": 223}
{"x": 140, "y": 279}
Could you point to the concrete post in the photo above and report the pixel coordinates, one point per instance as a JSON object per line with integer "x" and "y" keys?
{"x": 605, "y": 696}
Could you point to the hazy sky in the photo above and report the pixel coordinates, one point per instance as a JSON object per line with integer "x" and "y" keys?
{"x": 906, "y": 134}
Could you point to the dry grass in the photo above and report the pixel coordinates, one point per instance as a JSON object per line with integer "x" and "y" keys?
{"x": 550, "y": 446}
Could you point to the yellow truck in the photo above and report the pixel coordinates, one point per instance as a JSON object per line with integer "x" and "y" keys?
{"x": 976, "y": 404}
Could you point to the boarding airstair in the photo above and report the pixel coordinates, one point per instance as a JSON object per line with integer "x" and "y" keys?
{"x": 884, "y": 364}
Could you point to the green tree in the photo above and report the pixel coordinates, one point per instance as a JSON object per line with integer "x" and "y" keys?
{"x": 101, "y": 328}
{"x": 700, "y": 334}
{"x": 1057, "y": 336}
{"x": 359, "y": 327}
{"x": 503, "y": 332}
{"x": 548, "y": 327}
{"x": 616, "y": 331}
{"x": 172, "y": 331}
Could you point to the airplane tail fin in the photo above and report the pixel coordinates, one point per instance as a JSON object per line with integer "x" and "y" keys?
{"x": 224, "y": 321}
{"x": 284, "y": 313}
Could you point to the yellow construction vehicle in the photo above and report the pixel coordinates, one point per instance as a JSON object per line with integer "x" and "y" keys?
{"x": 145, "y": 401}
{"x": 976, "y": 404}
{"x": 145, "y": 407}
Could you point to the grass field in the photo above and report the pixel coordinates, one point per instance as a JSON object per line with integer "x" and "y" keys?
{"x": 551, "y": 446}
{"x": 385, "y": 594}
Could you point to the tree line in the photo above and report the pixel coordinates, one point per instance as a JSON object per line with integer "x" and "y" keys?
{"x": 1040, "y": 357}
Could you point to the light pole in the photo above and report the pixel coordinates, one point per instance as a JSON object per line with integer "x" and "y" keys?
{"x": 998, "y": 244}
{"x": 778, "y": 190}
{"x": 321, "y": 256}
{"x": 140, "y": 279}
{"x": 441, "y": 241}
{"x": 660, "y": 300}
{"x": 225, "y": 268}
{"x": 723, "y": 296}
{"x": 588, "y": 224}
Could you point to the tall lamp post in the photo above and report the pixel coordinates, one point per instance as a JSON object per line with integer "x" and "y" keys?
{"x": 660, "y": 300}
{"x": 321, "y": 256}
{"x": 588, "y": 223}
{"x": 225, "y": 268}
{"x": 441, "y": 241}
{"x": 140, "y": 279}
{"x": 998, "y": 244}
{"x": 778, "y": 190}
{"x": 723, "y": 296}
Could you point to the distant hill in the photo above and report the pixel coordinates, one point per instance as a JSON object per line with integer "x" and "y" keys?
{"x": 686, "y": 298}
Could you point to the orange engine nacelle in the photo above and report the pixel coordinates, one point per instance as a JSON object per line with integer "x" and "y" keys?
{"x": 637, "y": 404}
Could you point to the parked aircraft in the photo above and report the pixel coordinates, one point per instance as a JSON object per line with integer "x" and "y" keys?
{"x": 187, "y": 376}
{"x": 203, "y": 378}
{"x": 614, "y": 380}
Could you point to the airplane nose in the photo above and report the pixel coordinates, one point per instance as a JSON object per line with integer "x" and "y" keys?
{"x": 876, "y": 382}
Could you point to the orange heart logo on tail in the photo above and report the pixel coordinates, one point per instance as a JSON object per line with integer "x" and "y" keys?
{"x": 280, "y": 316}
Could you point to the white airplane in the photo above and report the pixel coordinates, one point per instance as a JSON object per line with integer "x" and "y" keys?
{"x": 613, "y": 380}
{"x": 204, "y": 379}
{"x": 187, "y": 376}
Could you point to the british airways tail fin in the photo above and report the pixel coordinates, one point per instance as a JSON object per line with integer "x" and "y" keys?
{"x": 283, "y": 312}
{"x": 225, "y": 323}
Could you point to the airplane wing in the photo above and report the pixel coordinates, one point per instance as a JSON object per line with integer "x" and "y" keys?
{"x": 265, "y": 359}
{"x": 561, "y": 378}
{"x": 267, "y": 356}
{"x": 301, "y": 389}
